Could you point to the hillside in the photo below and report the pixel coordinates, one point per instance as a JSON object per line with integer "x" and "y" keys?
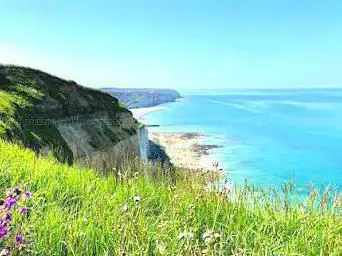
{"x": 140, "y": 98}
{"x": 79, "y": 212}
{"x": 46, "y": 113}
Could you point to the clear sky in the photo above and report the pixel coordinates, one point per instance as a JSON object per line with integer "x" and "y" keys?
{"x": 177, "y": 43}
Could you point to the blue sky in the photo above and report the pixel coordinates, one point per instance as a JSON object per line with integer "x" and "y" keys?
{"x": 178, "y": 44}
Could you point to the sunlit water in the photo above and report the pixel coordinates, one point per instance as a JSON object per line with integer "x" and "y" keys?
{"x": 268, "y": 136}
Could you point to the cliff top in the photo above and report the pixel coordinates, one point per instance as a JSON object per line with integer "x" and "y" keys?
{"x": 30, "y": 99}
{"x": 59, "y": 96}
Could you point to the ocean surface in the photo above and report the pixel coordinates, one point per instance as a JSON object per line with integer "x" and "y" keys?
{"x": 268, "y": 137}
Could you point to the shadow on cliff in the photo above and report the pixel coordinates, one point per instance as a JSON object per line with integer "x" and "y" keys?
{"x": 157, "y": 154}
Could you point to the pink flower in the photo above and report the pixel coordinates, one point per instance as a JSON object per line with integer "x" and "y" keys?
{"x": 4, "y": 252}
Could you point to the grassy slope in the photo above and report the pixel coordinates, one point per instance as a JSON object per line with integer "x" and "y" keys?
{"x": 28, "y": 96}
{"x": 78, "y": 212}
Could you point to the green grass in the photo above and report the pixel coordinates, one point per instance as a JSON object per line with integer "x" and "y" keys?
{"x": 80, "y": 212}
{"x": 31, "y": 102}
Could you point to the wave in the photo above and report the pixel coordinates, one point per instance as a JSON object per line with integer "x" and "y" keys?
{"x": 236, "y": 105}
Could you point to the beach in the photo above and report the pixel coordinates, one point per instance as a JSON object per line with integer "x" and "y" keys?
{"x": 185, "y": 149}
{"x": 139, "y": 113}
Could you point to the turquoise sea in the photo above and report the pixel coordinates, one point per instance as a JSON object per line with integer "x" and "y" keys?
{"x": 268, "y": 137}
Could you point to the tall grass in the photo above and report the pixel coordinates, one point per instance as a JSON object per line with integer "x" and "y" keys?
{"x": 81, "y": 212}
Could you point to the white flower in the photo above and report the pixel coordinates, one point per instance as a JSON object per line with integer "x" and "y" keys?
{"x": 136, "y": 199}
{"x": 207, "y": 234}
{"x": 5, "y": 252}
{"x": 181, "y": 236}
{"x": 186, "y": 235}
{"x": 209, "y": 237}
{"x": 125, "y": 208}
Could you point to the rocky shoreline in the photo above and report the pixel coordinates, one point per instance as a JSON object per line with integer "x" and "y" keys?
{"x": 186, "y": 149}
{"x": 182, "y": 149}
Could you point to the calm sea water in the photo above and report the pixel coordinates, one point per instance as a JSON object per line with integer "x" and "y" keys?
{"x": 268, "y": 136}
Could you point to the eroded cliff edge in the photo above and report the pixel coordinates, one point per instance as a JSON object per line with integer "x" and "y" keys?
{"x": 75, "y": 123}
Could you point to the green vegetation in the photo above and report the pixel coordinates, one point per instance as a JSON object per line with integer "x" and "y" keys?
{"x": 81, "y": 212}
{"x": 139, "y": 209}
{"x": 31, "y": 102}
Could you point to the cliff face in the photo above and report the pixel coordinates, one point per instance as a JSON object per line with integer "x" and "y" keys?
{"x": 139, "y": 98}
{"x": 75, "y": 123}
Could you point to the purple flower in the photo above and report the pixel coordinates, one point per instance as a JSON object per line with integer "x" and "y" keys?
{"x": 10, "y": 202}
{"x": 19, "y": 239}
{"x": 23, "y": 210}
{"x": 17, "y": 191}
{"x": 2, "y": 201}
{"x": 8, "y": 216}
{"x": 3, "y": 231}
{"x": 27, "y": 195}
{"x": 4, "y": 252}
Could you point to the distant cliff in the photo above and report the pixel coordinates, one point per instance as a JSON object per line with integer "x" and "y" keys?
{"x": 75, "y": 123}
{"x": 139, "y": 98}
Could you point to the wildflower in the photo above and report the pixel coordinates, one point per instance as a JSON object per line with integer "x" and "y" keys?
{"x": 186, "y": 235}
{"x": 210, "y": 237}
{"x": 4, "y": 252}
{"x": 27, "y": 195}
{"x": 23, "y": 210}
{"x": 10, "y": 202}
{"x": 19, "y": 239}
{"x": 3, "y": 232}
{"x": 137, "y": 199}
{"x": 8, "y": 216}
{"x": 206, "y": 236}
{"x": 17, "y": 191}
{"x": 125, "y": 208}
{"x": 8, "y": 225}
